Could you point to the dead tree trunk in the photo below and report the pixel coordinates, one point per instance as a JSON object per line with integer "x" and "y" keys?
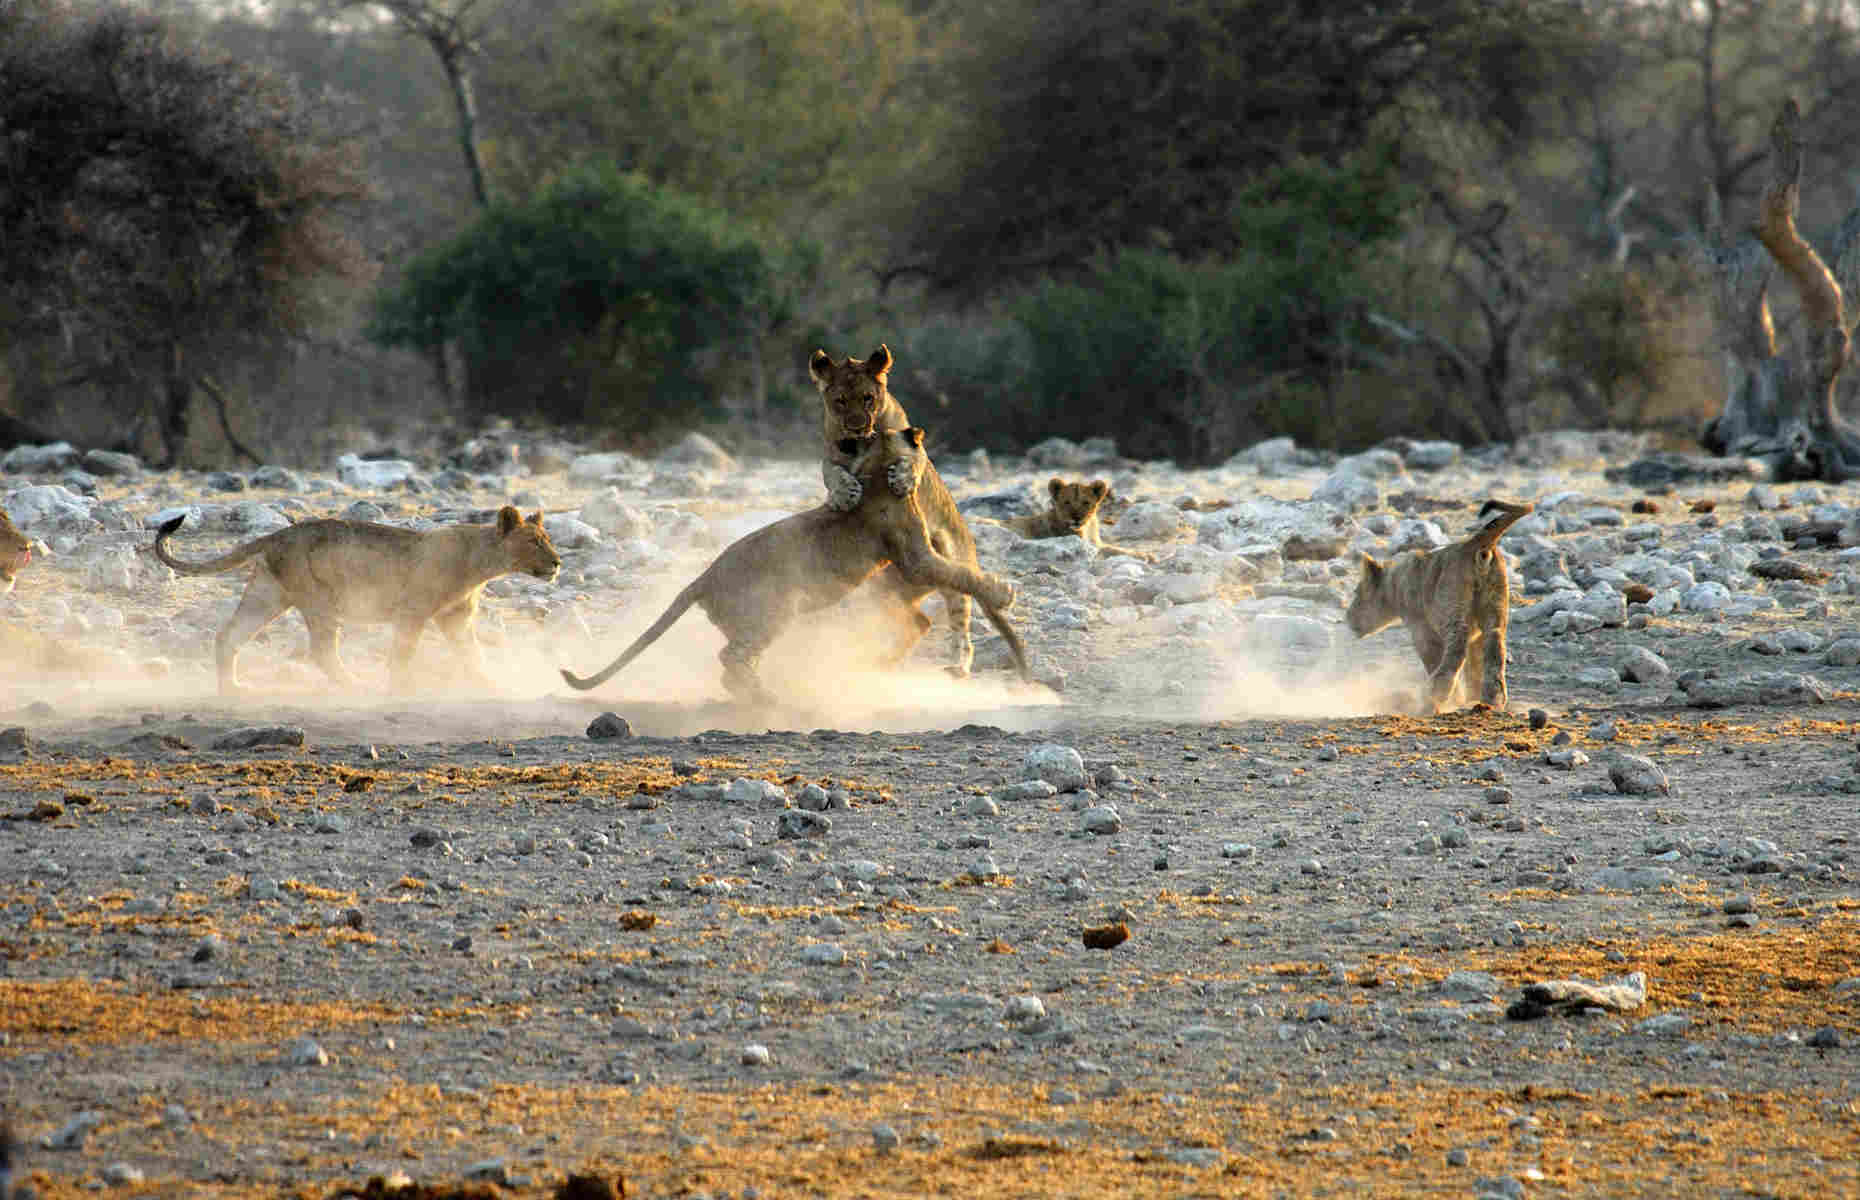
{"x": 1779, "y": 406}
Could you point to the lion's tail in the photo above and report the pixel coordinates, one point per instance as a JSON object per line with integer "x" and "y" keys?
{"x": 691, "y": 595}
{"x": 999, "y": 620}
{"x": 1509, "y": 514}
{"x": 212, "y": 566}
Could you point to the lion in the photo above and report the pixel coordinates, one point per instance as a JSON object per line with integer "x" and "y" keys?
{"x": 1456, "y": 602}
{"x": 15, "y": 552}
{"x": 811, "y": 560}
{"x": 333, "y": 570}
{"x": 855, "y": 404}
{"x": 1074, "y": 510}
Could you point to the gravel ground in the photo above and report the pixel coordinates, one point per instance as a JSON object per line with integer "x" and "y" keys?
{"x": 859, "y": 946}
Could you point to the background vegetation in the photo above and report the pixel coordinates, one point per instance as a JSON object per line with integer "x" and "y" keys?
{"x": 1189, "y": 224}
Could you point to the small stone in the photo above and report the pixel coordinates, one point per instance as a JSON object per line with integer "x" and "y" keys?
{"x": 755, "y": 1054}
{"x": 609, "y": 725}
{"x": 121, "y": 1175}
{"x": 800, "y": 823}
{"x": 1825, "y": 1038}
{"x": 1022, "y": 1010}
{"x": 253, "y": 736}
{"x": 1539, "y": 718}
{"x": 1638, "y": 775}
{"x": 73, "y": 1133}
{"x": 305, "y": 1052}
{"x": 884, "y": 1139}
{"x": 1061, "y": 766}
{"x": 823, "y": 954}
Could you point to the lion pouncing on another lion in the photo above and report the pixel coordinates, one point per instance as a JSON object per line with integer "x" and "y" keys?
{"x": 811, "y": 560}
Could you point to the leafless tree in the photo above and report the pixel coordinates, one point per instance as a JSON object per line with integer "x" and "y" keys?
{"x": 1780, "y": 404}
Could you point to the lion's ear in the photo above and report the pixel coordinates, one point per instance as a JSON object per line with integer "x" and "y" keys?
{"x": 1371, "y": 568}
{"x": 1100, "y": 488}
{"x": 819, "y": 364}
{"x": 508, "y": 518}
{"x": 915, "y": 436}
{"x": 1054, "y": 486}
{"x": 536, "y": 518}
{"x": 879, "y": 362}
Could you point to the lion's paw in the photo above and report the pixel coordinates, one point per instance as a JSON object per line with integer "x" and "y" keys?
{"x": 844, "y": 491}
{"x": 902, "y": 476}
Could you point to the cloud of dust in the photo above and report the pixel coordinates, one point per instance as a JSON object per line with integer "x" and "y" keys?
{"x": 828, "y": 670}
{"x": 1268, "y": 677}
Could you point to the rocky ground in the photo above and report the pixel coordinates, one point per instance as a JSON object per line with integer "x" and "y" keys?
{"x": 1206, "y": 913}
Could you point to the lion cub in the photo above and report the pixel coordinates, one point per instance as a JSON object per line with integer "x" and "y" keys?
{"x": 333, "y": 571}
{"x": 15, "y": 552}
{"x": 1455, "y": 601}
{"x": 856, "y": 402}
{"x": 811, "y": 560}
{"x": 1074, "y": 510}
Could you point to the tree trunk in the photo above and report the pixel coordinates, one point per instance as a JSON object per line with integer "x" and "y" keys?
{"x": 177, "y": 393}
{"x": 1779, "y": 407}
{"x": 452, "y": 58}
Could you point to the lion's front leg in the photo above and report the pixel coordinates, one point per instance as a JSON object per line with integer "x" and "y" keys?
{"x": 844, "y": 491}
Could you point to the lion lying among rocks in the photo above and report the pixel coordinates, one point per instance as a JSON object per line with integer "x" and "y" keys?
{"x": 757, "y": 586}
{"x": 1073, "y": 510}
{"x": 333, "y": 570}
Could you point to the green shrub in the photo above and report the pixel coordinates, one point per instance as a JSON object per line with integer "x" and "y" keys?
{"x": 592, "y": 301}
{"x": 1191, "y": 359}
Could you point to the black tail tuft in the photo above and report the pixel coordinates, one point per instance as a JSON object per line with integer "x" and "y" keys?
{"x": 169, "y": 526}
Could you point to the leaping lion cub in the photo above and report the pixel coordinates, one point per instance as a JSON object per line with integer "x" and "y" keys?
{"x": 1456, "y": 602}
{"x": 811, "y": 560}
{"x": 1074, "y": 510}
{"x": 856, "y": 402}
{"x": 15, "y": 552}
{"x": 333, "y": 570}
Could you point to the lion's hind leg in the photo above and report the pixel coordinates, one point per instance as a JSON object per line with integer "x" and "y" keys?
{"x": 460, "y": 626}
{"x": 1445, "y": 674}
{"x": 960, "y": 612}
{"x": 263, "y": 602}
{"x": 326, "y": 646}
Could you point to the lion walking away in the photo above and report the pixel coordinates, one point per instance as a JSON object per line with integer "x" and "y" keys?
{"x": 1456, "y": 603}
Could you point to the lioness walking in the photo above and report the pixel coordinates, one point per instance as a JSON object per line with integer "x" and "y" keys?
{"x": 333, "y": 571}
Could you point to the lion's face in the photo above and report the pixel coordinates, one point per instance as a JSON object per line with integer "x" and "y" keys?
{"x": 1369, "y": 607}
{"x": 15, "y": 553}
{"x": 853, "y": 391}
{"x": 1077, "y": 503}
{"x": 528, "y": 545}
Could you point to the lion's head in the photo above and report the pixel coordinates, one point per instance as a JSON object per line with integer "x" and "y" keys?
{"x": 15, "y": 552}
{"x": 853, "y": 391}
{"x": 1370, "y": 607}
{"x": 894, "y": 455}
{"x": 527, "y": 543}
{"x": 1077, "y": 503}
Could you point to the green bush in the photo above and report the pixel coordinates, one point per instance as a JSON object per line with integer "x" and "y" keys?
{"x": 1189, "y": 359}
{"x": 592, "y": 301}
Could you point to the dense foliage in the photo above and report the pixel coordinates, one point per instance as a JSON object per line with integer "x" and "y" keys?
{"x": 1187, "y": 224}
{"x": 159, "y": 205}
{"x": 591, "y": 301}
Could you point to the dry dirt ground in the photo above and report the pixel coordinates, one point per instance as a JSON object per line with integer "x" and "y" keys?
{"x": 572, "y": 975}
{"x": 521, "y": 952}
